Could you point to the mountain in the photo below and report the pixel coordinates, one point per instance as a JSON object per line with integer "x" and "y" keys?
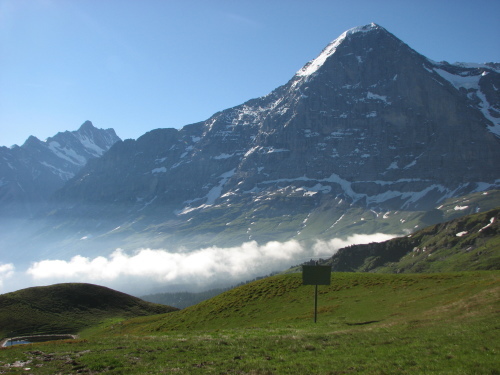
{"x": 30, "y": 173}
{"x": 468, "y": 243}
{"x": 369, "y": 137}
{"x": 68, "y": 308}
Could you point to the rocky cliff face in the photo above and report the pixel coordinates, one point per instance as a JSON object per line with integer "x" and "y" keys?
{"x": 29, "y": 174}
{"x": 370, "y": 127}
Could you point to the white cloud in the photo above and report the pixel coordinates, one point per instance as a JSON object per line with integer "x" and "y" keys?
{"x": 147, "y": 267}
{"x": 328, "y": 248}
{"x": 161, "y": 265}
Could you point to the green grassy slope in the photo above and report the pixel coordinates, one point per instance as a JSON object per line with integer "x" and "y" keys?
{"x": 465, "y": 244}
{"x": 351, "y": 299}
{"x": 443, "y": 323}
{"x": 67, "y": 308}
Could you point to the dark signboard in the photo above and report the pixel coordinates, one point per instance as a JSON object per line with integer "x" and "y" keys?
{"x": 316, "y": 275}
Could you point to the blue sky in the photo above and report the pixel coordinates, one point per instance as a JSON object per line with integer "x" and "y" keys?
{"x": 140, "y": 65}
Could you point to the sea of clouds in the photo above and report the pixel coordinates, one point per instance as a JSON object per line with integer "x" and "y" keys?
{"x": 151, "y": 270}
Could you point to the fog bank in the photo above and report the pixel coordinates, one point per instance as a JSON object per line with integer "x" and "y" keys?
{"x": 147, "y": 270}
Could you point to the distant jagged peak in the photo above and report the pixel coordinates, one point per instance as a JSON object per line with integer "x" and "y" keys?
{"x": 87, "y": 125}
{"x": 312, "y": 66}
{"x": 87, "y": 129}
{"x": 76, "y": 146}
{"x": 31, "y": 141}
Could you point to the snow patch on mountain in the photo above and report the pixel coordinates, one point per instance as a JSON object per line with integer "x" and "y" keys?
{"x": 159, "y": 170}
{"x": 223, "y": 156}
{"x": 408, "y": 198}
{"x": 211, "y": 196}
{"x": 383, "y": 98}
{"x": 470, "y": 83}
{"x": 485, "y": 109}
{"x": 492, "y": 220}
{"x": 216, "y": 191}
{"x": 89, "y": 145}
{"x": 67, "y": 154}
{"x": 394, "y": 165}
{"x": 459, "y": 81}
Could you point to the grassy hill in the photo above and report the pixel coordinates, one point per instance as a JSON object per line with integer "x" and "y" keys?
{"x": 444, "y": 323}
{"x": 465, "y": 244}
{"x": 67, "y": 308}
{"x": 351, "y": 299}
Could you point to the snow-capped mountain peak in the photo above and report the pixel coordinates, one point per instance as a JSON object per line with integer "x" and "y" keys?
{"x": 80, "y": 145}
{"x": 312, "y": 66}
{"x": 32, "y": 172}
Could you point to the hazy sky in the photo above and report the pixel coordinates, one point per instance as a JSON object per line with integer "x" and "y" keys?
{"x": 139, "y": 65}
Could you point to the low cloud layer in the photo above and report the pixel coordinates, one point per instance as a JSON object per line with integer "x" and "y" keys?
{"x": 328, "y": 248}
{"x": 148, "y": 269}
{"x": 164, "y": 266}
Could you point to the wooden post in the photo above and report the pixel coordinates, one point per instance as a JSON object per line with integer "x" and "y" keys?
{"x": 315, "y": 302}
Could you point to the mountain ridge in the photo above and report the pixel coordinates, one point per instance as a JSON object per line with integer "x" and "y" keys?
{"x": 377, "y": 130}
{"x": 32, "y": 172}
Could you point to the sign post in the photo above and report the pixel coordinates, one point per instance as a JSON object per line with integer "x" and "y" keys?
{"x": 316, "y": 275}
